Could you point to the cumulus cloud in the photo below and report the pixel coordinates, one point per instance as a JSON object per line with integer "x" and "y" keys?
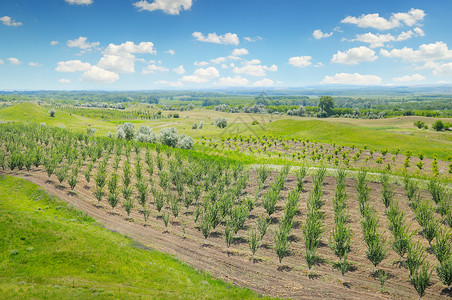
{"x": 79, "y": 2}
{"x": 54, "y": 43}
{"x": 233, "y": 81}
{"x": 170, "y": 51}
{"x": 99, "y": 75}
{"x": 72, "y": 66}
{"x": 64, "y": 80}
{"x": 396, "y": 20}
{"x": 179, "y": 70}
{"x": 82, "y": 43}
{"x": 354, "y": 56}
{"x": 121, "y": 58}
{"x": 239, "y": 52}
{"x": 318, "y": 34}
{"x": 409, "y": 78}
{"x": 202, "y": 75}
{"x": 225, "y": 39}
{"x": 6, "y": 20}
{"x": 1, "y": 62}
{"x": 263, "y": 83}
{"x": 300, "y": 61}
{"x": 171, "y": 7}
{"x": 153, "y": 69}
{"x": 354, "y": 79}
{"x": 254, "y": 68}
{"x": 378, "y": 40}
{"x": 426, "y": 52}
{"x": 14, "y": 61}
{"x": 443, "y": 69}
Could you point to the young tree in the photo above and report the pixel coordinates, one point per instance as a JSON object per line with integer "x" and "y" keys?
{"x": 421, "y": 279}
{"x": 113, "y": 196}
{"x": 444, "y": 271}
{"x": 228, "y": 234}
{"x": 281, "y": 244}
{"x": 301, "y": 174}
{"x": 128, "y": 200}
{"x": 73, "y": 179}
{"x": 253, "y": 241}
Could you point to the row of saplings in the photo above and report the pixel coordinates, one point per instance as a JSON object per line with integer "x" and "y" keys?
{"x": 223, "y": 202}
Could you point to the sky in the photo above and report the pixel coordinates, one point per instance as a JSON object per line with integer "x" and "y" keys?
{"x": 216, "y": 44}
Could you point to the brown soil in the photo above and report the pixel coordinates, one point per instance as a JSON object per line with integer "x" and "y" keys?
{"x": 262, "y": 274}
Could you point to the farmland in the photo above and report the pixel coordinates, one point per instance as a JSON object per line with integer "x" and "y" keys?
{"x": 288, "y": 207}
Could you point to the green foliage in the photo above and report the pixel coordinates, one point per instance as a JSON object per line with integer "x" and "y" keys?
{"x": 281, "y": 244}
{"x": 253, "y": 241}
{"x": 421, "y": 279}
{"x": 444, "y": 271}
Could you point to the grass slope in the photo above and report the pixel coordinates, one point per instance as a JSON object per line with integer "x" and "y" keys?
{"x": 51, "y": 251}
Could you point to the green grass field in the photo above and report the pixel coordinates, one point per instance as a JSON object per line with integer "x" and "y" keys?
{"x": 50, "y": 251}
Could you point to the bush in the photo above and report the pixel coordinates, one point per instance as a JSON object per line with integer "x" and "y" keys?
{"x": 52, "y": 113}
{"x": 144, "y": 134}
{"x": 438, "y": 125}
{"x": 125, "y": 131}
{"x": 221, "y": 122}
{"x": 169, "y": 137}
{"x": 185, "y": 142}
{"x": 419, "y": 124}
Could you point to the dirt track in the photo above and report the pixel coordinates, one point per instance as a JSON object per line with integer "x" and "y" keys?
{"x": 261, "y": 275}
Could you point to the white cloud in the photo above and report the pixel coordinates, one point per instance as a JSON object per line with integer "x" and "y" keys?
{"x": 200, "y": 63}
{"x": 254, "y": 68}
{"x": 121, "y": 58}
{"x": 72, "y": 66}
{"x": 1, "y": 62}
{"x": 80, "y": 2}
{"x": 34, "y": 64}
{"x": 354, "y": 56}
{"x": 179, "y": 70}
{"x": 171, "y": 7}
{"x": 14, "y": 61}
{"x": 264, "y": 82}
{"x": 64, "y": 80}
{"x": 233, "y": 81}
{"x": 218, "y": 60}
{"x": 239, "y": 52}
{"x": 409, "y": 78}
{"x": 202, "y": 75}
{"x": 153, "y": 69}
{"x": 82, "y": 43}
{"x": 396, "y": 20}
{"x": 252, "y": 39}
{"x": 378, "y": 40}
{"x": 426, "y": 52}
{"x": 99, "y": 75}
{"x": 170, "y": 51}
{"x": 318, "y": 34}
{"x": 225, "y": 39}
{"x": 443, "y": 69}
{"x": 300, "y": 61}
{"x": 354, "y": 79}
{"x": 54, "y": 43}
{"x": 9, "y": 22}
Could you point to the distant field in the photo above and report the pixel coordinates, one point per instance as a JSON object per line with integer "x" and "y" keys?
{"x": 392, "y": 133}
{"x": 50, "y": 251}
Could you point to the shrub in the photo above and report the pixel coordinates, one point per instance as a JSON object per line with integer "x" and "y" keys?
{"x": 281, "y": 244}
{"x": 201, "y": 124}
{"x": 301, "y": 174}
{"x": 221, "y": 122}
{"x": 438, "y": 125}
{"x": 90, "y": 131}
{"x": 253, "y": 241}
{"x": 113, "y": 197}
{"x": 169, "y": 136}
{"x": 144, "y": 134}
{"x": 52, "y": 112}
{"x": 419, "y": 124}
{"x": 125, "y": 131}
{"x": 184, "y": 142}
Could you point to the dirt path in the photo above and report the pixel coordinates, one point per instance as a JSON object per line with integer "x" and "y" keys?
{"x": 261, "y": 275}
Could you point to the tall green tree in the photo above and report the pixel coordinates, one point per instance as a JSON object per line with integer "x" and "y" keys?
{"x": 326, "y": 103}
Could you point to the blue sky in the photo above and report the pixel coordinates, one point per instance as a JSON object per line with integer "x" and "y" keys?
{"x": 198, "y": 44}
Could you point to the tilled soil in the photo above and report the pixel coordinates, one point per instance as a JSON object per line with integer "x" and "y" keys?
{"x": 262, "y": 273}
